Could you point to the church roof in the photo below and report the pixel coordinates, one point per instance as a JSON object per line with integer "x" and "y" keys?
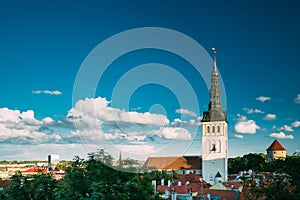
{"x": 173, "y": 162}
{"x": 276, "y": 146}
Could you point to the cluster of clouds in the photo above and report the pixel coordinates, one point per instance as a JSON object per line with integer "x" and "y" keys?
{"x": 93, "y": 121}
{"x": 23, "y": 128}
{"x": 249, "y": 126}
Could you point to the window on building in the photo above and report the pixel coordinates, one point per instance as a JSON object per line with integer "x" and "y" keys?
{"x": 208, "y": 129}
{"x": 213, "y": 147}
{"x": 219, "y": 129}
{"x": 213, "y": 129}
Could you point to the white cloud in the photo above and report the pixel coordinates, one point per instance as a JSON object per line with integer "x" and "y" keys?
{"x": 248, "y": 126}
{"x": 176, "y": 133}
{"x": 297, "y": 99}
{"x": 270, "y": 117}
{"x": 245, "y": 126}
{"x": 238, "y": 136}
{"x": 180, "y": 123}
{"x": 296, "y": 124}
{"x": 186, "y": 112}
{"x": 252, "y": 110}
{"x": 286, "y": 128}
{"x": 241, "y": 117}
{"x": 22, "y": 127}
{"x": 281, "y": 135}
{"x": 55, "y": 92}
{"x": 87, "y": 112}
{"x": 47, "y": 120}
{"x": 263, "y": 99}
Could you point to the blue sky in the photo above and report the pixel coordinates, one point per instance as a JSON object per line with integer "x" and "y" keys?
{"x": 44, "y": 46}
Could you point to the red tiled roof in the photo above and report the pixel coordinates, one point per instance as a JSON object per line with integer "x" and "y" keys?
{"x": 34, "y": 169}
{"x": 175, "y": 163}
{"x": 276, "y": 146}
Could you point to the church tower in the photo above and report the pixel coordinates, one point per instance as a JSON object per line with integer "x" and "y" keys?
{"x": 214, "y": 134}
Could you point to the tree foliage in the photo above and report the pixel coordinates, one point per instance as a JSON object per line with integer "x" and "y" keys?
{"x": 93, "y": 178}
{"x": 256, "y": 162}
{"x": 38, "y": 186}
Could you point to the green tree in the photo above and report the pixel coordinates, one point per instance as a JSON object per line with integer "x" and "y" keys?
{"x": 256, "y": 162}
{"x": 37, "y": 187}
{"x": 95, "y": 178}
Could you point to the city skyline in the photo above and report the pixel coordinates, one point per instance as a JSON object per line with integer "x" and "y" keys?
{"x": 44, "y": 45}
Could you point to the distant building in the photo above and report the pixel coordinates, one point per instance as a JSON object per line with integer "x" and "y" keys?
{"x": 276, "y": 151}
{"x": 180, "y": 164}
{"x": 214, "y": 135}
{"x": 53, "y": 160}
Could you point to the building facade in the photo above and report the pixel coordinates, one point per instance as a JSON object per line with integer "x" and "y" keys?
{"x": 214, "y": 134}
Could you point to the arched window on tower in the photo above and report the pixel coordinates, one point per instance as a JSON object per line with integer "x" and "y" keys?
{"x": 208, "y": 129}
{"x": 213, "y": 148}
{"x": 219, "y": 129}
{"x": 213, "y": 129}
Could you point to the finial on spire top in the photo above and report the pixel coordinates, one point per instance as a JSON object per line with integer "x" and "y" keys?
{"x": 215, "y": 59}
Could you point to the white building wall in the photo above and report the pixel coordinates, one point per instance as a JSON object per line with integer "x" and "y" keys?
{"x": 214, "y": 150}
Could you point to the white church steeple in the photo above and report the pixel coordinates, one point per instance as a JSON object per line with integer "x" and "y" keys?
{"x": 214, "y": 134}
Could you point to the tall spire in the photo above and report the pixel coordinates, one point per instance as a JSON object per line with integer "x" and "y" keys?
{"x": 214, "y": 92}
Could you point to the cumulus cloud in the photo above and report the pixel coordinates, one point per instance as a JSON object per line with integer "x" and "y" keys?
{"x": 286, "y": 128}
{"x": 86, "y": 112}
{"x": 297, "y": 99}
{"x": 245, "y": 126}
{"x": 176, "y": 133}
{"x": 252, "y": 110}
{"x": 263, "y": 99}
{"x": 54, "y": 92}
{"x": 186, "y": 112}
{"x": 22, "y": 127}
{"x": 281, "y": 135}
{"x": 270, "y": 117}
{"x": 93, "y": 121}
{"x": 296, "y": 124}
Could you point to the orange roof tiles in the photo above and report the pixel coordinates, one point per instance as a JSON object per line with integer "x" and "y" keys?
{"x": 175, "y": 163}
{"x": 276, "y": 146}
{"x": 34, "y": 169}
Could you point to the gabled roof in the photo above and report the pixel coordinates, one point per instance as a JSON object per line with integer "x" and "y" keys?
{"x": 175, "y": 163}
{"x": 218, "y": 186}
{"x": 276, "y": 146}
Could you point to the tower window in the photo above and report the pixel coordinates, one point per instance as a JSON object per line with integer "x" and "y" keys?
{"x": 213, "y": 147}
{"x": 208, "y": 129}
{"x": 213, "y": 129}
{"x": 218, "y": 129}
